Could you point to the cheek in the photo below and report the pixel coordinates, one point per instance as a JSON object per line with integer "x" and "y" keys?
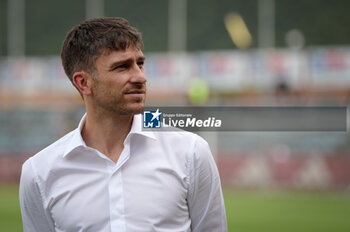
{"x": 114, "y": 87}
{"x": 110, "y": 85}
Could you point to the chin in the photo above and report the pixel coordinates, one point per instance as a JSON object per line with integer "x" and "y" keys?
{"x": 138, "y": 111}
{"x": 136, "y": 108}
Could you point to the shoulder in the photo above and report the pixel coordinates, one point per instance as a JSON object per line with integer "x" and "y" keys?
{"x": 195, "y": 147}
{"x": 176, "y": 137}
{"x": 183, "y": 142}
{"x": 47, "y": 157}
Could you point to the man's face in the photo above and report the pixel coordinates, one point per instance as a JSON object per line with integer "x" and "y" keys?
{"x": 120, "y": 84}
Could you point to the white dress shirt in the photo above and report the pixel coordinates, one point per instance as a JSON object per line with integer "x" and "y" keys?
{"x": 163, "y": 181}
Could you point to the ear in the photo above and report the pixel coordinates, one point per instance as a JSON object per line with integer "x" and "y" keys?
{"x": 82, "y": 81}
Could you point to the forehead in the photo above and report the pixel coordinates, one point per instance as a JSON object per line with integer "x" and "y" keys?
{"x": 130, "y": 53}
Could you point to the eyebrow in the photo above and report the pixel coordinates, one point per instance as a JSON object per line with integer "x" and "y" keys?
{"x": 126, "y": 61}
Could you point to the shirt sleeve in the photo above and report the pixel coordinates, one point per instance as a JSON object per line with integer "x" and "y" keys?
{"x": 205, "y": 200}
{"x": 34, "y": 216}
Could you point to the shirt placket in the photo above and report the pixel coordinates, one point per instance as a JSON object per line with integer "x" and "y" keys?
{"x": 116, "y": 192}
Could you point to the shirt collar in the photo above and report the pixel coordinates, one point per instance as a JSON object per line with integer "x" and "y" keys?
{"x": 136, "y": 127}
{"x": 77, "y": 140}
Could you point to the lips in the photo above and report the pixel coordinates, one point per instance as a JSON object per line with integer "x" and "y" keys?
{"x": 135, "y": 92}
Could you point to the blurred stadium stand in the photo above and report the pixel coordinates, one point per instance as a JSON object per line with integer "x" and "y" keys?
{"x": 38, "y": 105}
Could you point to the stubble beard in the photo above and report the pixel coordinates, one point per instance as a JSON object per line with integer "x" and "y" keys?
{"x": 117, "y": 104}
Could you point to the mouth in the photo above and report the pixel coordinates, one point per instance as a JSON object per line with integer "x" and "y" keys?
{"x": 135, "y": 93}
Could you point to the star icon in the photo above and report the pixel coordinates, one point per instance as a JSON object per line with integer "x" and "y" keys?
{"x": 156, "y": 115}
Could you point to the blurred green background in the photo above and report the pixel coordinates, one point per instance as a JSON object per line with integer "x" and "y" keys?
{"x": 323, "y": 22}
{"x": 248, "y": 211}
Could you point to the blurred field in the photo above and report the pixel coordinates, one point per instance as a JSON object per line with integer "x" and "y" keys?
{"x": 10, "y": 215}
{"x": 246, "y": 211}
{"x": 287, "y": 211}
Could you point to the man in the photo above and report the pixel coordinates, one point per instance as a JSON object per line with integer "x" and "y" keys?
{"x": 108, "y": 174}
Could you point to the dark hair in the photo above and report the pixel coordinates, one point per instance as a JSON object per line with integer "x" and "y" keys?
{"x": 85, "y": 42}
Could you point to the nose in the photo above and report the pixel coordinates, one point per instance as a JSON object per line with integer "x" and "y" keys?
{"x": 138, "y": 75}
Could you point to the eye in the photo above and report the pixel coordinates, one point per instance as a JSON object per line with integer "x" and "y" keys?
{"x": 121, "y": 67}
{"x": 140, "y": 64}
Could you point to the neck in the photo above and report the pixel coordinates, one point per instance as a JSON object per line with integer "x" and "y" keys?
{"x": 106, "y": 132}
